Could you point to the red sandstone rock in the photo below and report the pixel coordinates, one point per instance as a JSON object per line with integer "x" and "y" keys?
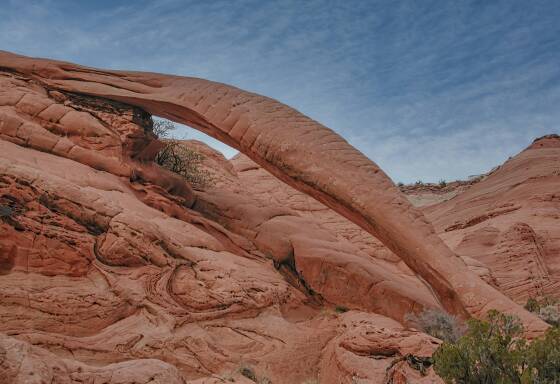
{"x": 297, "y": 150}
{"x": 509, "y": 222}
{"x": 112, "y": 268}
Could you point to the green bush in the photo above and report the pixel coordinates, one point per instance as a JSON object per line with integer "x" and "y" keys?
{"x": 532, "y": 305}
{"x": 544, "y": 358}
{"x": 494, "y": 352}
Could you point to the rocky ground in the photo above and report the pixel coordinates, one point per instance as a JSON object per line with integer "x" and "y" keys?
{"x": 114, "y": 270}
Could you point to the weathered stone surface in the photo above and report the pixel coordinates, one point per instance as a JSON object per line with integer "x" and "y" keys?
{"x": 509, "y": 222}
{"x": 304, "y": 237}
{"x": 373, "y": 349}
{"x": 114, "y": 270}
{"x": 297, "y": 150}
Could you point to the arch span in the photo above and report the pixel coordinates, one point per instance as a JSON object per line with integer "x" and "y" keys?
{"x": 299, "y": 151}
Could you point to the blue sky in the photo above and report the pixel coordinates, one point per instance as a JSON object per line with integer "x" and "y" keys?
{"x": 429, "y": 90}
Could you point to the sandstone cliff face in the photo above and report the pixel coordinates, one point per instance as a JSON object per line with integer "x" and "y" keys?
{"x": 509, "y": 222}
{"x": 114, "y": 270}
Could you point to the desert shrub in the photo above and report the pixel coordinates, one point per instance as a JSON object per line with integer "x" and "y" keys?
{"x": 551, "y": 314}
{"x": 547, "y": 308}
{"x": 442, "y": 183}
{"x": 419, "y": 183}
{"x": 438, "y": 324}
{"x": 544, "y": 358}
{"x": 162, "y": 128}
{"x": 248, "y": 372}
{"x": 400, "y": 184}
{"x": 494, "y": 351}
{"x": 532, "y": 305}
{"x": 178, "y": 158}
{"x": 340, "y": 309}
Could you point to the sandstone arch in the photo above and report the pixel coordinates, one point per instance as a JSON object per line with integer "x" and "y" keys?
{"x": 297, "y": 150}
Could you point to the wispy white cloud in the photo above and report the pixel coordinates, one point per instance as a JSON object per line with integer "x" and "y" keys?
{"x": 428, "y": 90}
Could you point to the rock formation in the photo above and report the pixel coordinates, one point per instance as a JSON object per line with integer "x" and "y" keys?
{"x": 114, "y": 270}
{"x": 297, "y": 150}
{"x": 509, "y": 222}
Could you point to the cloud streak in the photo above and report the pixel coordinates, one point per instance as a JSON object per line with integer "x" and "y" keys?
{"x": 428, "y": 90}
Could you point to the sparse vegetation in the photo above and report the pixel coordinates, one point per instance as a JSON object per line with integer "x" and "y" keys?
{"x": 162, "y": 128}
{"x": 494, "y": 351}
{"x": 419, "y": 183}
{"x": 249, "y": 373}
{"x": 547, "y": 308}
{"x": 442, "y": 183}
{"x": 340, "y": 309}
{"x": 438, "y": 324}
{"x": 532, "y": 305}
{"x": 180, "y": 159}
{"x": 551, "y": 314}
{"x": 8, "y": 215}
{"x": 400, "y": 184}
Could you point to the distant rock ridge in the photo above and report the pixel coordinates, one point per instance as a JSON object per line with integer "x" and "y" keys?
{"x": 551, "y": 140}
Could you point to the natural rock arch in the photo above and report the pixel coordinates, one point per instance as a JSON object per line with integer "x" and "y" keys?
{"x": 301, "y": 152}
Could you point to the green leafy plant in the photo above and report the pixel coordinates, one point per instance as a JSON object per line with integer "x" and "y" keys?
{"x": 494, "y": 351}
{"x": 544, "y": 358}
{"x": 532, "y": 305}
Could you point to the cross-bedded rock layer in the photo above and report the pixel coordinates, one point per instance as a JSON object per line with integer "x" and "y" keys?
{"x": 108, "y": 273}
{"x": 110, "y": 264}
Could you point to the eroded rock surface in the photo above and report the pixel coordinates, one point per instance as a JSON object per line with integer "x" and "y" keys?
{"x": 510, "y": 222}
{"x": 297, "y": 150}
{"x": 114, "y": 270}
